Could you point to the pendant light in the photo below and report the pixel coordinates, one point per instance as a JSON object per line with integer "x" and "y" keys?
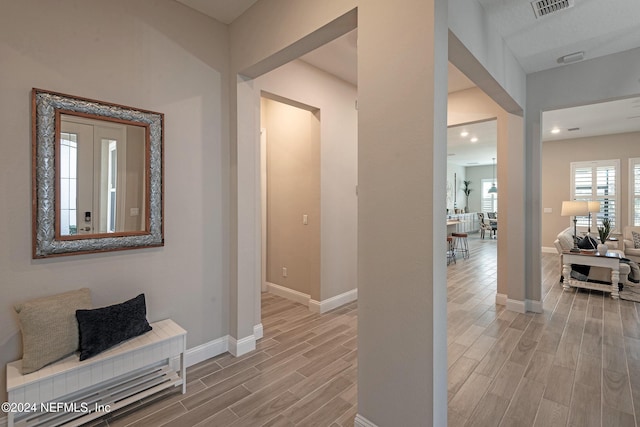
{"x": 493, "y": 188}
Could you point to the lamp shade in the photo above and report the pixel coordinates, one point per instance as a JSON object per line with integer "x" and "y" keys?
{"x": 575, "y": 208}
{"x": 594, "y": 206}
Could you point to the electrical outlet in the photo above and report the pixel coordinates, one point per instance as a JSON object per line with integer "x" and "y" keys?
{"x": 305, "y": 219}
{"x": 284, "y": 271}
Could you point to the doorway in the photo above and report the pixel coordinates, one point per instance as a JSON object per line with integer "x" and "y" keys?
{"x": 290, "y": 147}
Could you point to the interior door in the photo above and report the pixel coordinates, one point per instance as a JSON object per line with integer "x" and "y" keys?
{"x": 92, "y": 182}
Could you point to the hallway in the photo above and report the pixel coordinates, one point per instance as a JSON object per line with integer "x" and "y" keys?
{"x": 576, "y": 364}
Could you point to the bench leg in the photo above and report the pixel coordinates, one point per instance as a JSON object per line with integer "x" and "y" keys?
{"x": 183, "y": 373}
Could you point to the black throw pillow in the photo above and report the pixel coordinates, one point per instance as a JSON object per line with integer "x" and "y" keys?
{"x": 588, "y": 242}
{"x": 103, "y": 328}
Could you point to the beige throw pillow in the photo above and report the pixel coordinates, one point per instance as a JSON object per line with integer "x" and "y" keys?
{"x": 49, "y": 327}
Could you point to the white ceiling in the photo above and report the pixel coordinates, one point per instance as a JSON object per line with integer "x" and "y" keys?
{"x": 225, "y": 11}
{"x": 596, "y": 27}
{"x": 604, "y": 118}
{"x": 340, "y": 58}
{"x": 462, "y": 151}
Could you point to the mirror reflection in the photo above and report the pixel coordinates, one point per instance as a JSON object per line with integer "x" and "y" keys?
{"x": 97, "y": 176}
{"x": 101, "y": 176}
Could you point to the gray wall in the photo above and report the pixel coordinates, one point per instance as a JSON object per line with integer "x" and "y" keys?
{"x": 157, "y": 55}
{"x": 387, "y": 104}
{"x": 586, "y": 82}
{"x": 303, "y": 83}
{"x": 211, "y": 213}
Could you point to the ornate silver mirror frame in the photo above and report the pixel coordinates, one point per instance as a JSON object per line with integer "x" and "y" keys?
{"x": 46, "y": 108}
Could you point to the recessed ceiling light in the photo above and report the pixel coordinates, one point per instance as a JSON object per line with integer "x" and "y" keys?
{"x": 555, "y": 130}
{"x": 474, "y": 139}
{"x": 464, "y": 133}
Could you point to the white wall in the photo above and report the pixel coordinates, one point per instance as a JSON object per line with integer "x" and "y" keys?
{"x": 153, "y": 54}
{"x": 455, "y": 181}
{"x": 476, "y": 174}
{"x": 301, "y": 82}
{"x": 494, "y": 68}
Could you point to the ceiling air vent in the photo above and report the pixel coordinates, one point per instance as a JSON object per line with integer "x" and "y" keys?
{"x": 546, "y": 7}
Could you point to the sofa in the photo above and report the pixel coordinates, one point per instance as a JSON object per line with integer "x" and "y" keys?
{"x": 628, "y": 247}
{"x": 564, "y": 242}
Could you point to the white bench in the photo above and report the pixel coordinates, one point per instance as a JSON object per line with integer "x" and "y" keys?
{"x": 70, "y": 392}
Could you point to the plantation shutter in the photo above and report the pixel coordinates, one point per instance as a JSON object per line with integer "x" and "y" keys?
{"x": 597, "y": 181}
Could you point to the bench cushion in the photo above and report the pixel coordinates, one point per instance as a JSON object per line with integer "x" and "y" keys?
{"x": 49, "y": 327}
{"x": 102, "y": 328}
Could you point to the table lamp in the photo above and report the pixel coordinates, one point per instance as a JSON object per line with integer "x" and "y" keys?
{"x": 575, "y": 208}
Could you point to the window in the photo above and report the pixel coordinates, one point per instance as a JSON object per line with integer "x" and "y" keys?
{"x": 112, "y": 179}
{"x": 634, "y": 188}
{"x": 489, "y": 200}
{"x": 68, "y": 182}
{"x": 597, "y": 180}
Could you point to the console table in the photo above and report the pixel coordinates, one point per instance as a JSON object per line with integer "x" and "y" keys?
{"x": 609, "y": 260}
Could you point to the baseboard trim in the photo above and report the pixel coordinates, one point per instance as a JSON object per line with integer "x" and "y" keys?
{"x": 258, "y": 331}
{"x": 314, "y": 306}
{"x": 548, "y": 250}
{"x": 333, "y": 302}
{"x": 361, "y": 421}
{"x": 516, "y": 305}
{"x": 242, "y": 346}
{"x": 519, "y": 306}
{"x": 534, "y": 306}
{"x": 289, "y": 294}
{"x": 206, "y": 351}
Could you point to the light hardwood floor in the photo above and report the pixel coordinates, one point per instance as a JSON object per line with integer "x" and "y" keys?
{"x": 576, "y": 364}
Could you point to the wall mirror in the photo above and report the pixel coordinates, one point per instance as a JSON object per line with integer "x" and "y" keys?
{"x": 97, "y": 176}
